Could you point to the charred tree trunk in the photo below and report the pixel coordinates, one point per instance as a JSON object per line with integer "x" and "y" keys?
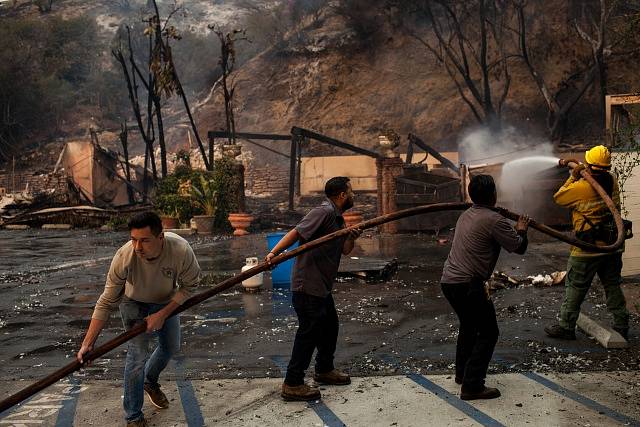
{"x": 463, "y": 31}
{"x": 124, "y": 140}
{"x": 227, "y": 61}
{"x": 595, "y": 70}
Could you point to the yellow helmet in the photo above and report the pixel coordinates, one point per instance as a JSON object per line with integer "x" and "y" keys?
{"x": 598, "y": 156}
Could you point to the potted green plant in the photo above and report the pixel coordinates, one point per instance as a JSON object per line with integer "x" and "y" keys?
{"x": 205, "y": 197}
{"x": 168, "y": 207}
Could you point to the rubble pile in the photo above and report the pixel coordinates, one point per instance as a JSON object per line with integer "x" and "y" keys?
{"x": 501, "y": 280}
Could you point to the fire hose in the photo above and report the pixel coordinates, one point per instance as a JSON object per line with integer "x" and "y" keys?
{"x": 228, "y": 283}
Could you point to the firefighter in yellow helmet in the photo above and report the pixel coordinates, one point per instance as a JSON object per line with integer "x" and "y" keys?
{"x": 592, "y": 222}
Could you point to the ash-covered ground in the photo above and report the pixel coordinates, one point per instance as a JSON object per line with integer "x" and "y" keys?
{"x": 51, "y": 279}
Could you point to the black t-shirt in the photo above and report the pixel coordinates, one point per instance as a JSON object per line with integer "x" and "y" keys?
{"x": 315, "y": 271}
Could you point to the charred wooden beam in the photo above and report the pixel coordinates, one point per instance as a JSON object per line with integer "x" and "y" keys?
{"x": 292, "y": 170}
{"x": 409, "y": 158}
{"x": 264, "y": 147}
{"x": 248, "y": 135}
{"x": 332, "y": 141}
{"x": 420, "y": 143}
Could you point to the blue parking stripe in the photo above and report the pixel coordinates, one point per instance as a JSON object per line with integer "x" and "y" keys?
{"x": 592, "y": 404}
{"x": 443, "y": 394}
{"x": 281, "y": 362}
{"x": 67, "y": 413}
{"x": 188, "y": 397}
{"x": 326, "y": 415}
{"x": 454, "y": 401}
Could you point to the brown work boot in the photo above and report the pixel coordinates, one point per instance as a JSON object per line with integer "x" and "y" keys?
{"x": 557, "y": 331}
{"x": 484, "y": 393}
{"x": 300, "y": 392}
{"x": 156, "y": 396}
{"x": 333, "y": 377}
{"x": 137, "y": 423}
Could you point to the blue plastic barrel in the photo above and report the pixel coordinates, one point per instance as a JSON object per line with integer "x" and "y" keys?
{"x": 281, "y": 275}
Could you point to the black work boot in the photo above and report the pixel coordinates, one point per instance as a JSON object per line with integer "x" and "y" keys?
{"x": 557, "y": 331}
{"x": 300, "y": 392}
{"x": 622, "y": 331}
{"x": 482, "y": 393}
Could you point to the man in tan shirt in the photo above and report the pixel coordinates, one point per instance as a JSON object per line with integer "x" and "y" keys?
{"x": 150, "y": 276}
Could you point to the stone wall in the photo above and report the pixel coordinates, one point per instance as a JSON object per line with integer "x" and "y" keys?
{"x": 267, "y": 181}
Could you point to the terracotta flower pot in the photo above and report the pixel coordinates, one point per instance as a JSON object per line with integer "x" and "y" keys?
{"x": 240, "y": 222}
{"x": 352, "y": 218}
{"x": 204, "y": 223}
{"x": 169, "y": 222}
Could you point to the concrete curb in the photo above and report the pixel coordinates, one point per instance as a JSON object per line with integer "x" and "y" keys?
{"x": 605, "y": 336}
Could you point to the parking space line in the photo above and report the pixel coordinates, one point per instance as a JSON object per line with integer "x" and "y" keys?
{"x": 281, "y": 362}
{"x": 454, "y": 401}
{"x": 592, "y": 404}
{"x": 67, "y": 413}
{"x": 188, "y": 398}
{"x": 443, "y": 394}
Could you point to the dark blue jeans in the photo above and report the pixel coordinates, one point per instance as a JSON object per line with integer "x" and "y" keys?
{"x": 139, "y": 368}
{"x": 317, "y": 329}
{"x": 478, "y": 332}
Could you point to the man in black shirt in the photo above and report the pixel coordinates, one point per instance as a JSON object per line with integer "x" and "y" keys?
{"x": 311, "y": 284}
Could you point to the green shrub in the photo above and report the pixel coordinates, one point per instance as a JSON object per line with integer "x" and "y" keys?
{"x": 169, "y": 200}
{"x": 188, "y": 191}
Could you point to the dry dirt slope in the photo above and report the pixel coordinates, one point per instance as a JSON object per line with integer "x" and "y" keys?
{"x": 330, "y": 85}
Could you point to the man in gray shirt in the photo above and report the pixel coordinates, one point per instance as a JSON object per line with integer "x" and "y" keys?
{"x": 311, "y": 283}
{"x": 480, "y": 234}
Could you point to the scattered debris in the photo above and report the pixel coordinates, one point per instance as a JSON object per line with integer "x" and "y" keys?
{"x": 501, "y": 280}
{"x": 57, "y": 226}
{"x": 367, "y": 268}
{"x": 553, "y": 279}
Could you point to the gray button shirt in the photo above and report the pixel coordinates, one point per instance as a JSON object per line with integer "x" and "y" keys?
{"x": 480, "y": 233}
{"x": 315, "y": 271}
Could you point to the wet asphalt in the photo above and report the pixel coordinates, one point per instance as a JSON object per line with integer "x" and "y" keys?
{"x": 50, "y": 281}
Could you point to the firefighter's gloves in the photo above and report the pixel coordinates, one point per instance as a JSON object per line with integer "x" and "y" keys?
{"x": 565, "y": 162}
{"x": 575, "y": 172}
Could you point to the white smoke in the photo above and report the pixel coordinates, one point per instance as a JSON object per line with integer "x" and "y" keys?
{"x": 522, "y": 157}
{"x": 482, "y": 146}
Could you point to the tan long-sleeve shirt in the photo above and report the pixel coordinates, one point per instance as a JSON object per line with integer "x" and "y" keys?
{"x": 171, "y": 276}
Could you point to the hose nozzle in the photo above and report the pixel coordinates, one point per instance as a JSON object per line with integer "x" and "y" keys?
{"x": 568, "y": 163}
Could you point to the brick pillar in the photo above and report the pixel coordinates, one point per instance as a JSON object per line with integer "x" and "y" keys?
{"x": 238, "y": 174}
{"x": 231, "y": 152}
{"x": 388, "y": 169}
